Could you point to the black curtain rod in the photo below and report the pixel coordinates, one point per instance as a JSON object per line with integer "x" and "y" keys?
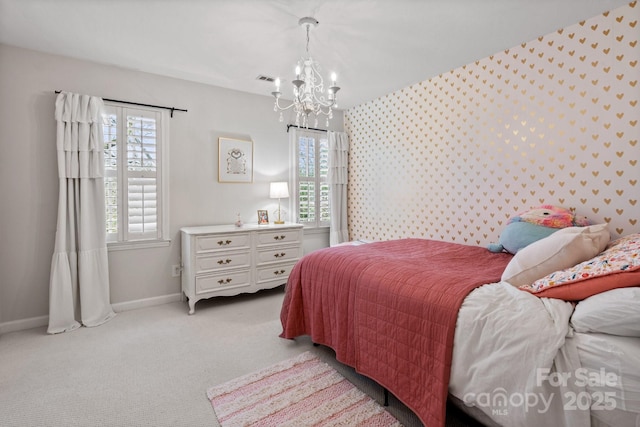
{"x": 300, "y": 127}
{"x": 172, "y": 109}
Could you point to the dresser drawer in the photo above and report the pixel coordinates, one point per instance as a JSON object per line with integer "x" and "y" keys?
{"x": 223, "y": 242}
{"x": 282, "y": 253}
{"x": 222, "y": 261}
{"x": 221, "y": 281}
{"x": 274, "y": 272}
{"x": 279, "y": 237}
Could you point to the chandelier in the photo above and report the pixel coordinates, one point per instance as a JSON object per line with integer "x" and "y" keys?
{"x": 309, "y": 97}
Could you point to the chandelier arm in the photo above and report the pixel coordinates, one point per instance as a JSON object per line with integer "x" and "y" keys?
{"x": 326, "y": 113}
{"x": 324, "y": 102}
{"x": 284, "y": 108}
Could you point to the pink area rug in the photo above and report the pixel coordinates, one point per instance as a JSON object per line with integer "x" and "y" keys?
{"x": 302, "y": 391}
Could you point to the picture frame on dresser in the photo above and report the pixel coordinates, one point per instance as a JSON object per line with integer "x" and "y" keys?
{"x": 263, "y": 217}
{"x": 235, "y": 160}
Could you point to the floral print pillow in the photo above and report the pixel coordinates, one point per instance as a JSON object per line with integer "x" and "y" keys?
{"x": 599, "y": 274}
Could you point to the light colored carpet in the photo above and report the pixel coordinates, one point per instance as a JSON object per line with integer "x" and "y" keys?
{"x": 151, "y": 366}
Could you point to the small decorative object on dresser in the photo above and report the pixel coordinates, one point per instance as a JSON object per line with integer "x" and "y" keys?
{"x": 228, "y": 260}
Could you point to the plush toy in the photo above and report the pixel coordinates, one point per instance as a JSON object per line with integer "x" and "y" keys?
{"x": 535, "y": 224}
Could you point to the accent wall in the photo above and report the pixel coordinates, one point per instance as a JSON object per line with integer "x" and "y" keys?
{"x": 551, "y": 121}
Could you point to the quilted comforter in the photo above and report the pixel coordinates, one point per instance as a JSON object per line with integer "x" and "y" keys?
{"x": 389, "y": 310}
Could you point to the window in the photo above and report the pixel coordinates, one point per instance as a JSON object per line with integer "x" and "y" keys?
{"x": 133, "y": 161}
{"x": 310, "y": 180}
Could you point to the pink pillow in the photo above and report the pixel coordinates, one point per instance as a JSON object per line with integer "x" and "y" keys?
{"x": 618, "y": 266}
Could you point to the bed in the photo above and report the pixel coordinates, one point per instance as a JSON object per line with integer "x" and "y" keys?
{"x": 431, "y": 320}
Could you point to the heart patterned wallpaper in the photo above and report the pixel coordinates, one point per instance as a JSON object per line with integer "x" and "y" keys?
{"x": 551, "y": 121}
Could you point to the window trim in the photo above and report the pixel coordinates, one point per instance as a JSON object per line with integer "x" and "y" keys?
{"x": 162, "y": 181}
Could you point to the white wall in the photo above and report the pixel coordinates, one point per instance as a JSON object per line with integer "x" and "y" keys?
{"x": 28, "y": 174}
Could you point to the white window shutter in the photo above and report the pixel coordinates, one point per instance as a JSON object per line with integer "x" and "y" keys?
{"x": 133, "y": 161}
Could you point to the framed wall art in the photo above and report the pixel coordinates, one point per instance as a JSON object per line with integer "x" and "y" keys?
{"x": 235, "y": 160}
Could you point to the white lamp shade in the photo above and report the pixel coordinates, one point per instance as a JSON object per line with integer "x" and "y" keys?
{"x": 279, "y": 190}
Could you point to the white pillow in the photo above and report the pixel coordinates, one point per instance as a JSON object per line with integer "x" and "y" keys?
{"x": 615, "y": 312}
{"x": 563, "y": 249}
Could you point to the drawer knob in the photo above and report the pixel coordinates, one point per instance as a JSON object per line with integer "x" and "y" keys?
{"x": 279, "y": 272}
{"x": 224, "y": 261}
{"x": 281, "y": 254}
{"x": 279, "y": 237}
{"x": 223, "y": 281}
{"x": 224, "y": 242}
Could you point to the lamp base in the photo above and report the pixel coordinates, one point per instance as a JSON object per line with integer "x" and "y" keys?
{"x": 278, "y": 222}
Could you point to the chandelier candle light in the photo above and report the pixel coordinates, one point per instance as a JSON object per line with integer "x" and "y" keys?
{"x": 308, "y": 88}
{"x": 279, "y": 190}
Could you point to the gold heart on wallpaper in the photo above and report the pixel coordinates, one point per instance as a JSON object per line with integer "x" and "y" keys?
{"x": 633, "y": 43}
{"x": 633, "y": 202}
{"x": 633, "y": 24}
{"x": 595, "y": 210}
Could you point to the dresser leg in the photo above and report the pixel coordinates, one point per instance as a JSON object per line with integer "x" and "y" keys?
{"x": 192, "y": 306}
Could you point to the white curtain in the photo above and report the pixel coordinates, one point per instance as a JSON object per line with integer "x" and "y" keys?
{"x": 338, "y": 164}
{"x": 79, "y": 281}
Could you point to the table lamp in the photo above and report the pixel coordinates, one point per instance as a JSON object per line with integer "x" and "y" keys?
{"x": 279, "y": 190}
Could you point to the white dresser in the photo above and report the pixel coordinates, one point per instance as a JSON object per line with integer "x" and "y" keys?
{"x": 228, "y": 260}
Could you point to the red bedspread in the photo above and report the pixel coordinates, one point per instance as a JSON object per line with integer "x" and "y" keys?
{"x": 389, "y": 310}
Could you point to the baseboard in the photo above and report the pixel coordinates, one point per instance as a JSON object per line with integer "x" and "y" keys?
{"x": 37, "y": 322}
{"x": 146, "y": 302}
{"x": 22, "y": 324}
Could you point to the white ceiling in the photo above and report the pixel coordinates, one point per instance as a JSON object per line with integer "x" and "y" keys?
{"x": 375, "y": 47}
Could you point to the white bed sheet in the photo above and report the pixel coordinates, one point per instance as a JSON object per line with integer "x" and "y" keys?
{"x": 613, "y": 362}
{"x": 508, "y": 346}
